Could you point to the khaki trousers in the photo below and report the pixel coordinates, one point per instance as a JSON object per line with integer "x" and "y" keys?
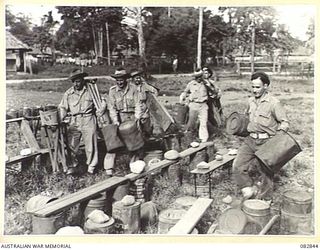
{"x": 85, "y": 127}
{"x": 199, "y": 111}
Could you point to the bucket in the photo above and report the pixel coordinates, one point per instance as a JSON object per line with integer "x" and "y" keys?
{"x": 48, "y": 225}
{"x": 237, "y": 124}
{"x": 154, "y": 154}
{"x": 95, "y": 228}
{"x": 182, "y": 112}
{"x": 232, "y": 221}
{"x": 291, "y": 223}
{"x": 12, "y": 113}
{"x": 116, "y": 194}
{"x": 131, "y": 135}
{"x": 37, "y": 202}
{"x": 296, "y": 202}
{"x": 111, "y": 138}
{"x": 44, "y": 225}
{"x": 127, "y": 217}
{"x": 168, "y": 218}
{"x": 172, "y": 142}
{"x": 27, "y": 112}
{"x": 35, "y": 110}
{"x": 50, "y": 107}
{"x": 98, "y": 203}
{"x": 257, "y": 212}
{"x": 277, "y": 151}
{"x": 149, "y": 214}
{"x": 185, "y": 202}
{"x": 49, "y": 118}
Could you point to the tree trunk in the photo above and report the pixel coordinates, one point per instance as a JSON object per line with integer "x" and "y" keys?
{"x": 108, "y": 43}
{"x": 141, "y": 40}
{"x": 94, "y": 43}
{"x": 200, "y": 37}
{"x": 224, "y": 45}
{"x": 253, "y": 48}
{"x": 100, "y": 46}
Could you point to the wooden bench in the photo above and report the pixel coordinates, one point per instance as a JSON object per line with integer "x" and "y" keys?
{"x": 166, "y": 163}
{"x": 213, "y": 165}
{"x": 79, "y": 196}
{"x": 89, "y": 192}
{"x": 192, "y": 217}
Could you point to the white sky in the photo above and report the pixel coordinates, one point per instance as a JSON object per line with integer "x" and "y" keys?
{"x": 296, "y": 17}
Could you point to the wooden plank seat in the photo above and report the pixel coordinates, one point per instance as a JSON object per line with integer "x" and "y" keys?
{"x": 89, "y": 192}
{"x": 79, "y": 196}
{"x": 213, "y": 165}
{"x": 187, "y": 223}
{"x": 20, "y": 158}
{"x": 165, "y": 163}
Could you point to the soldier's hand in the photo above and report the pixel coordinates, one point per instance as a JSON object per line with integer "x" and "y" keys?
{"x": 99, "y": 112}
{"x": 181, "y": 99}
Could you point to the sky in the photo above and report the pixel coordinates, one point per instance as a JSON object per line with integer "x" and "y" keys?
{"x": 295, "y": 17}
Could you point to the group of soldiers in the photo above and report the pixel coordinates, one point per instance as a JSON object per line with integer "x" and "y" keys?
{"x": 126, "y": 101}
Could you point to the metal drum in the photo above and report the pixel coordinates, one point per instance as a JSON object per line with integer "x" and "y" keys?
{"x": 168, "y": 218}
{"x": 44, "y": 225}
{"x": 291, "y": 223}
{"x": 95, "y": 228}
{"x": 111, "y": 138}
{"x": 99, "y": 203}
{"x": 277, "y": 151}
{"x": 258, "y": 213}
{"x": 185, "y": 202}
{"x": 131, "y": 135}
{"x": 127, "y": 217}
{"x": 297, "y": 202}
{"x": 237, "y": 124}
{"x": 296, "y": 212}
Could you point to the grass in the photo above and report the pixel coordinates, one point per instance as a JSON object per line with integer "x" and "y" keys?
{"x": 293, "y": 93}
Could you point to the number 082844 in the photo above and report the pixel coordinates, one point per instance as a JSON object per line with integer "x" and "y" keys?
{"x": 308, "y": 245}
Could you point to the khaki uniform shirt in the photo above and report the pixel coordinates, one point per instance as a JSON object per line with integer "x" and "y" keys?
{"x": 197, "y": 92}
{"x": 143, "y": 89}
{"x": 124, "y": 101}
{"x": 79, "y": 104}
{"x": 266, "y": 115}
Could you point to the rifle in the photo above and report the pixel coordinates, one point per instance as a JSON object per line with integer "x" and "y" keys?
{"x": 97, "y": 101}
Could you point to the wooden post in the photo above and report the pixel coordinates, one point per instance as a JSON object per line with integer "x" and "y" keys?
{"x": 238, "y": 68}
{"x": 108, "y": 43}
{"x": 253, "y": 37}
{"x": 200, "y": 37}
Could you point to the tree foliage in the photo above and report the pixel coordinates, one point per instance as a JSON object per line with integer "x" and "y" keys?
{"x": 80, "y": 26}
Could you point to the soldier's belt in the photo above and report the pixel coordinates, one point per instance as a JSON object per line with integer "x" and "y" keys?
{"x": 82, "y": 114}
{"x": 259, "y": 135}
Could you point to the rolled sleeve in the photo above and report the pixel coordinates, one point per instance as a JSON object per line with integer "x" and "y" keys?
{"x": 64, "y": 102}
{"x": 112, "y": 109}
{"x": 281, "y": 116}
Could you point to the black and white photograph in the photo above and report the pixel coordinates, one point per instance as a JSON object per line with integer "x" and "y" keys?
{"x": 160, "y": 121}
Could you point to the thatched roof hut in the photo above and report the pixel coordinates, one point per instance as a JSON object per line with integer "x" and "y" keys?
{"x": 15, "y": 53}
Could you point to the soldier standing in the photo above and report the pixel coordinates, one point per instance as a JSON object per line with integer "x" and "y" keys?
{"x": 214, "y": 104}
{"x": 143, "y": 88}
{"x": 124, "y": 105}
{"x": 266, "y": 117}
{"x": 78, "y": 102}
{"x": 197, "y": 96}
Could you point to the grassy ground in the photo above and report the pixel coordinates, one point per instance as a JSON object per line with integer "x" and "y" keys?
{"x": 295, "y": 94}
